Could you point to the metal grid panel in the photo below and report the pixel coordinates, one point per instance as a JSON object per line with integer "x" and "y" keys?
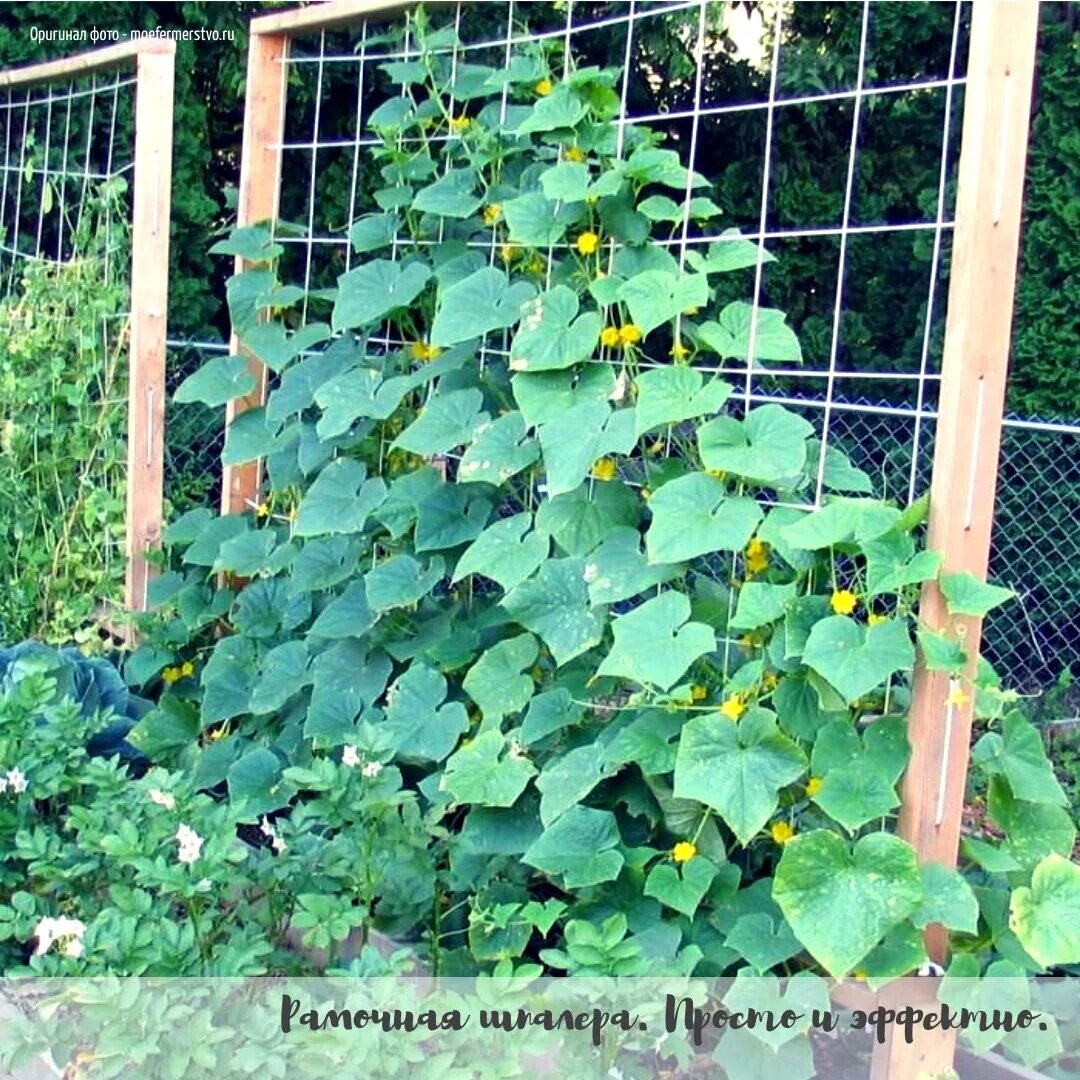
{"x": 674, "y": 57}
{"x": 66, "y": 165}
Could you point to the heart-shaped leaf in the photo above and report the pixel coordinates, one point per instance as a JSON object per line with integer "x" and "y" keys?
{"x": 841, "y": 900}
{"x": 737, "y": 769}
{"x": 856, "y": 659}
{"x": 655, "y": 643}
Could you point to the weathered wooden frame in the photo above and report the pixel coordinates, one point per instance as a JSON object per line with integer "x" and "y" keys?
{"x": 153, "y": 59}
{"x": 975, "y": 365}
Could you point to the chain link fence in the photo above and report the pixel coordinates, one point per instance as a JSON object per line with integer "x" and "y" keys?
{"x": 1033, "y": 643}
{"x": 194, "y": 434}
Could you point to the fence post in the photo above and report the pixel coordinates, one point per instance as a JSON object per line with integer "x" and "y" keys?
{"x": 149, "y": 310}
{"x": 260, "y": 171}
{"x": 974, "y": 367}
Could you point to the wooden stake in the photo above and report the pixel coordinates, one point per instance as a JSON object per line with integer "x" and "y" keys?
{"x": 149, "y": 311}
{"x": 260, "y": 174}
{"x": 974, "y": 367}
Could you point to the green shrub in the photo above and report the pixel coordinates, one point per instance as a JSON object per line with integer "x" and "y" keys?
{"x": 63, "y": 409}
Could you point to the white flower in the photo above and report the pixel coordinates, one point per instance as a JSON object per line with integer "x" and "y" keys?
{"x": 349, "y": 757}
{"x": 63, "y": 929}
{"x": 161, "y": 798}
{"x": 190, "y": 844}
{"x": 3, "y": 784}
{"x": 266, "y": 828}
{"x": 16, "y": 779}
{"x": 371, "y": 769}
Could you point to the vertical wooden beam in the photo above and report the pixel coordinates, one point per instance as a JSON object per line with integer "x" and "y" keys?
{"x": 997, "y": 103}
{"x": 149, "y": 311}
{"x": 260, "y": 175}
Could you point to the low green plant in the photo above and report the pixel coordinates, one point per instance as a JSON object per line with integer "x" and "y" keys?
{"x": 62, "y": 425}
{"x": 524, "y": 550}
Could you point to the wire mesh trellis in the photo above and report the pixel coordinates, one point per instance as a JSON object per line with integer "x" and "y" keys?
{"x": 84, "y": 219}
{"x": 869, "y": 385}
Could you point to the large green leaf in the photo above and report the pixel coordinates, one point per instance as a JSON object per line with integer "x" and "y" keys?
{"x": 761, "y": 604}
{"x": 647, "y": 741}
{"x": 765, "y": 941}
{"x": 578, "y": 847}
{"x": 401, "y": 581}
{"x": 965, "y": 594}
{"x": 453, "y": 195}
{"x": 227, "y": 680}
{"x": 283, "y": 673}
{"x": 856, "y": 659}
{"x": 654, "y": 297}
{"x": 768, "y": 447}
{"x": 445, "y": 422}
{"x": 369, "y": 293}
{"x": 774, "y": 340}
{"x": 500, "y": 449}
{"x": 552, "y": 334}
{"x": 668, "y": 395}
{"x": 324, "y": 562}
{"x": 730, "y": 252}
{"x": 548, "y": 713}
{"x": 693, "y": 515}
{"x": 496, "y": 681}
{"x": 531, "y": 219}
{"x": 572, "y": 442}
{"x": 555, "y": 605}
{"x": 507, "y": 551}
{"x": 655, "y": 643}
{"x": 340, "y": 500}
{"x": 681, "y": 889}
{"x": 545, "y": 396}
{"x": 256, "y": 786}
{"x": 579, "y": 520}
{"x": 1018, "y": 753}
{"x": 841, "y": 521}
{"x": 346, "y": 680}
{"x": 420, "y": 726}
{"x": 855, "y": 794}
{"x": 219, "y": 380}
{"x": 842, "y": 900}
{"x": 485, "y": 772}
{"x": 370, "y": 232}
{"x": 1034, "y": 830}
{"x": 892, "y": 564}
{"x": 1046, "y": 915}
{"x": 568, "y": 181}
{"x": 569, "y": 778}
{"x": 273, "y": 346}
{"x": 476, "y": 305}
{"x": 947, "y": 899}
{"x": 737, "y": 769}
{"x": 356, "y": 394}
{"x": 559, "y": 109}
{"x": 859, "y": 775}
{"x": 450, "y": 516}
{"x": 617, "y": 569}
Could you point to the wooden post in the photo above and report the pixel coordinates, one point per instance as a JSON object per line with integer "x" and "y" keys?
{"x": 997, "y": 103}
{"x": 260, "y": 173}
{"x": 149, "y": 310}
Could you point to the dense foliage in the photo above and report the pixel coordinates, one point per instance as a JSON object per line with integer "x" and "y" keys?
{"x": 897, "y": 170}
{"x": 527, "y": 653}
{"x": 63, "y": 406}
